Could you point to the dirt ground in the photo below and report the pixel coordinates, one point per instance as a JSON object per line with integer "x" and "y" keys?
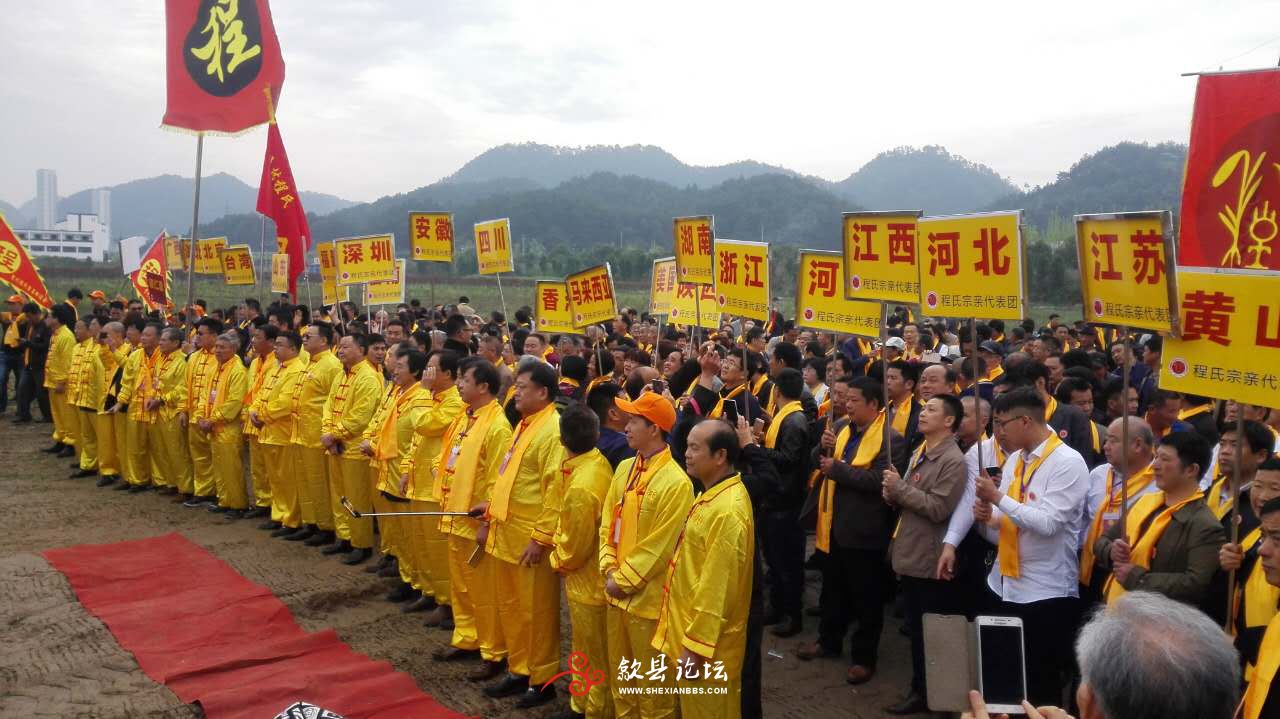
{"x": 59, "y": 661}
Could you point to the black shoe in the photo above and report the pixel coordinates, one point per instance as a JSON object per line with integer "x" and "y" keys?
{"x": 307, "y": 532}
{"x": 196, "y": 501}
{"x": 446, "y": 623}
{"x": 402, "y": 593}
{"x": 454, "y": 654}
{"x": 912, "y": 704}
{"x": 124, "y": 486}
{"x": 75, "y": 464}
{"x": 106, "y": 480}
{"x": 138, "y": 488}
{"x": 233, "y": 514}
{"x": 320, "y": 538}
{"x": 381, "y": 564}
{"x": 270, "y": 524}
{"x": 424, "y": 603}
{"x": 535, "y": 697}
{"x": 392, "y": 570}
{"x": 283, "y": 531}
{"x": 216, "y": 508}
{"x": 22, "y": 420}
{"x": 66, "y": 451}
{"x": 57, "y": 446}
{"x": 339, "y": 547}
{"x": 813, "y": 611}
{"x": 357, "y": 556}
{"x": 83, "y": 473}
{"x": 257, "y": 512}
{"x": 509, "y": 686}
{"x": 788, "y": 628}
{"x": 167, "y": 490}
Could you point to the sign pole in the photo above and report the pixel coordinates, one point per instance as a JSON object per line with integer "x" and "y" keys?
{"x": 503, "y": 299}
{"x": 195, "y": 223}
{"x": 884, "y": 385}
{"x": 1235, "y": 511}
{"x": 977, "y": 396}
{"x": 306, "y": 277}
{"x": 262, "y": 250}
{"x": 746, "y": 378}
{"x": 1124, "y": 427}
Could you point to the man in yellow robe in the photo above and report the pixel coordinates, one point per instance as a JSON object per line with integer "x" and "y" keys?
{"x": 260, "y": 368}
{"x": 272, "y": 414}
{"x": 309, "y": 399}
{"x": 136, "y": 388}
{"x": 218, "y": 419}
{"x": 166, "y": 440}
{"x": 201, "y": 368}
{"x": 79, "y": 386}
{"x": 113, "y": 352}
{"x": 347, "y": 412}
{"x": 57, "y": 369}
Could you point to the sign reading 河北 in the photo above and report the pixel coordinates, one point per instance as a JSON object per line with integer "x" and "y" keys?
{"x": 207, "y": 249}
{"x": 971, "y": 265}
{"x": 493, "y": 247}
{"x": 431, "y": 236}
{"x": 591, "y": 296}
{"x": 551, "y": 307}
{"x": 694, "y": 241}
{"x": 880, "y": 256}
{"x": 365, "y": 259}
{"x": 1124, "y": 269}
{"x": 742, "y": 278}
{"x": 691, "y": 300}
{"x": 237, "y": 265}
{"x": 820, "y": 300}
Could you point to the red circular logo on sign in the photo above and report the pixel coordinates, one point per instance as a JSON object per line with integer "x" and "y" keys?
{"x": 855, "y": 282}
{"x": 931, "y": 299}
{"x": 1178, "y": 367}
{"x": 1097, "y": 307}
{"x": 808, "y": 313}
{"x": 720, "y": 299}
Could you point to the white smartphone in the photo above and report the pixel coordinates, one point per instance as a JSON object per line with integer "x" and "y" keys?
{"x": 1002, "y": 664}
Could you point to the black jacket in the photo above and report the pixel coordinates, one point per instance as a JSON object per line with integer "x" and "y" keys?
{"x": 35, "y": 339}
{"x": 1075, "y": 430}
{"x": 860, "y": 517}
{"x": 790, "y": 457}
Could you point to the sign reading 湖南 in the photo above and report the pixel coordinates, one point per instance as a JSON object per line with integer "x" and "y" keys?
{"x": 1229, "y": 347}
{"x": 551, "y": 307}
{"x": 971, "y": 265}
{"x": 880, "y": 256}
{"x": 662, "y": 285}
{"x": 365, "y": 259}
{"x": 431, "y": 236}
{"x": 591, "y": 296}
{"x": 237, "y": 265}
{"x": 493, "y": 247}
{"x": 820, "y": 299}
{"x": 1124, "y": 269}
{"x": 386, "y": 292}
{"x": 694, "y": 241}
{"x": 742, "y": 278}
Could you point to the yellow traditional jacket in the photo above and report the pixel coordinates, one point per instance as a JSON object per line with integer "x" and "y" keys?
{"x": 274, "y": 405}
{"x": 311, "y": 394}
{"x": 586, "y": 480}
{"x": 441, "y": 411}
{"x": 524, "y": 503}
{"x": 350, "y": 405}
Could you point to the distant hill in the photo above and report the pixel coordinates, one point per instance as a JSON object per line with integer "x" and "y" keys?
{"x": 144, "y": 207}
{"x": 12, "y": 215}
{"x": 927, "y": 178}
{"x": 1126, "y": 177}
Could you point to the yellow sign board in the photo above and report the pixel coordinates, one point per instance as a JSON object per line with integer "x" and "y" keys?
{"x": 207, "y": 255}
{"x": 591, "y": 296}
{"x": 493, "y": 247}
{"x": 742, "y": 278}
{"x": 330, "y": 292}
{"x": 695, "y": 257}
{"x": 1229, "y": 346}
{"x": 365, "y": 259}
{"x": 662, "y": 286}
{"x": 691, "y": 300}
{"x": 176, "y": 250}
{"x": 971, "y": 266}
{"x": 552, "y": 313}
{"x": 237, "y": 265}
{"x": 820, "y": 301}
{"x": 880, "y": 254}
{"x": 1124, "y": 269}
{"x": 280, "y": 273}
{"x": 431, "y": 236}
{"x": 387, "y": 292}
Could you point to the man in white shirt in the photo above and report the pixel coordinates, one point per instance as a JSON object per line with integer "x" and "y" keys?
{"x": 1035, "y": 523}
{"x": 1131, "y": 467}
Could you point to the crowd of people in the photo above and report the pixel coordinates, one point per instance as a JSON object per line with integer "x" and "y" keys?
{"x": 667, "y": 481}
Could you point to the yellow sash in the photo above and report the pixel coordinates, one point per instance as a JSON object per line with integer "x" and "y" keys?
{"x": 1255, "y": 697}
{"x": 218, "y": 390}
{"x": 718, "y": 410}
{"x": 1050, "y": 407}
{"x": 1008, "y": 548}
{"x": 825, "y": 408}
{"x": 1110, "y": 503}
{"x": 467, "y": 434}
{"x": 1190, "y": 412}
{"x": 872, "y": 444}
{"x": 771, "y": 436}
{"x": 902, "y": 415}
{"x": 500, "y": 498}
{"x": 626, "y": 514}
{"x": 1215, "y": 501}
{"x": 1143, "y": 548}
{"x": 388, "y": 444}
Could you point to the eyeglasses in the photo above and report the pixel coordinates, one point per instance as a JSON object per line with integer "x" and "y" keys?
{"x": 1000, "y": 424}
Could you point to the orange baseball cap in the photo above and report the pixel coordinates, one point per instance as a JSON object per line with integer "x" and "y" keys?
{"x": 97, "y": 295}
{"x": 16, "y": 299}
{"x": 653, "y": 407}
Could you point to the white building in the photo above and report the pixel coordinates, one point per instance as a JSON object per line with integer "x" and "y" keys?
{"x": 80, "y": 236}
{"x": 46, "y": 199}
{"x": 102, "y": 205}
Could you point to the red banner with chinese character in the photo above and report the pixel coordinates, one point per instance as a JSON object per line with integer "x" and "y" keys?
{"x": 1231, "y": 194}
{"x": 279, "y": 199}
{"x": 18, "y": 271}
{"x": 220, "y": 54}
{"x": 151, "y": 279}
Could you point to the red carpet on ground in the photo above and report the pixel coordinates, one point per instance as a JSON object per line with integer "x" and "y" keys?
{"x": 214, "y": 637}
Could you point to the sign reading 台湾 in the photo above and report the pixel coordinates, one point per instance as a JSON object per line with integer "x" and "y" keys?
{"x": 551, "y": 307}
{"x": 493, "y": 247}
{"x": 237, "y": 265}
{"x": 207, "y": 249}
{"x": 695, "y": 257}
{"x": 1124, "y": 277}
{"x": 742, "y": 278}
{"x": 691, "y": 300}
{"x": 431, "y": 236}
{"x": 971, "y": 265}
{"x": 591, "y": 296}
{"x": 280, "y": 272}
{"x": 1230, "y": 342}
{"x": 330, "y": 292}
{"x": 662, "y": 285}
{"x": 880, "y": 254}
{"x": 365, "y": 259}
{"x": 386, "y": 292}
{"x": 820, "y": 300}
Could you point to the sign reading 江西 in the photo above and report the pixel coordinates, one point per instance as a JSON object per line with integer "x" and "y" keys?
{"x": 880, "y": 256}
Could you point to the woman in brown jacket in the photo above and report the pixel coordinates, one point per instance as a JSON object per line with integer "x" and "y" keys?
{"x": 1169, "y": 541}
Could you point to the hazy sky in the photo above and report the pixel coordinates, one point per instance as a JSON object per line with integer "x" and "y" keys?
{"x": 384, "y": 96}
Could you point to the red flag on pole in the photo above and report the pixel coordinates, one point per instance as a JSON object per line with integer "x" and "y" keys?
{"x": 151, "y": 279}
{"x": 279, "y": 199}
{"x": 220, "y": 55}
{"x": 18, "y": 271}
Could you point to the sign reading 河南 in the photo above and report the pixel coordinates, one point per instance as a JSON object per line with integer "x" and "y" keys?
{"x": 365, "y": 259}
{"x": 386, "y": 292}
{"x": 971, "y": 265}
{"x": 662, "y": 285}
{"x": 742, "y": 278}
{"x": 880, "y": 255}
{"x": 820, "y": 300}
{"x": 330, "y": 292}
{"x": 1230, "y": 342}
{"x": 551, "y": 307}
{"x": 493, "y": 247}
{"x": 694, "y": 242}
{"x": 207, "y": 250}
{"x": 237, "y": 265}
{"x": 431, "y": 236}
{"x": 691, "y": 300}
{"x": 591, "y": 296}
{"x": 1124, "y": 269}
{"x": 280, "y": 273}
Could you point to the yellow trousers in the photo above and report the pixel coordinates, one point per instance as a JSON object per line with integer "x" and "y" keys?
{"x": 137, "y": 455}
{"x": 104, "y": 428}
{"x": 87, "y": 439}
{"x": 167, "y": 443}
{"x": 259, "y": 474}
{"x": 201, "y": 461}
{"x": 314, "y": 487}
{"x": 630, "y": 637}
{"x": 350, "y": 478}
{"x": 390, "y": 529}
{"x": 529, "y": 611}
{"x": 282, "y": 469}
{"x": 228, "y": 467}
{"x": 471, "y": 591}
{"x": 429, "y": 548}
{"x": 589, "y": 639}
{"x": 714, "y": 698}
{"x": 65, "y": 422}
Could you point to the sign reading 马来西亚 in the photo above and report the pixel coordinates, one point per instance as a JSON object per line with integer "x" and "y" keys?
{"x": 591, "y": 296}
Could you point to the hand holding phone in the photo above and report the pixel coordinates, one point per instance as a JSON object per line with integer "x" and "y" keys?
{"x": 1002, "y": 666}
